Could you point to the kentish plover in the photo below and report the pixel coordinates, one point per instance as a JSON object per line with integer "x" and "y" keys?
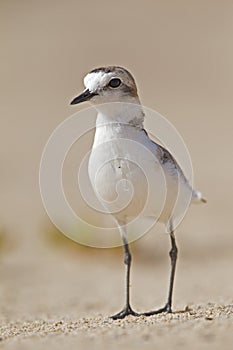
{"x": 113, "y": 92}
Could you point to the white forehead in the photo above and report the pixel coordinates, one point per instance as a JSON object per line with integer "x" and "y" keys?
{"x": 94, "y": 81}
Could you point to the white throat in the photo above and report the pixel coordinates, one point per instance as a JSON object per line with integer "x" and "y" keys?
{"x": 120, "y": 113}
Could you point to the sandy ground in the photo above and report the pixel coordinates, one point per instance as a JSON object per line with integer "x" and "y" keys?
{"x": 203, "y": 327}
{"x": 56, "y": 295}
{"x": 66, "y": 301}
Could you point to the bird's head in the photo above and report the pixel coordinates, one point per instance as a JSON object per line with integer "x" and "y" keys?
{"x": 108, "y": 84}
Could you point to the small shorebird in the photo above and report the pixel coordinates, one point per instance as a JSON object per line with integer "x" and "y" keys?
{"x": 120, "y": 118}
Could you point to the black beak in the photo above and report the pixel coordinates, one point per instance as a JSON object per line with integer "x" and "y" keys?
{"x": 85, "y": 96}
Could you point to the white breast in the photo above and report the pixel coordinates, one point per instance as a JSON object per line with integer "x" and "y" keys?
{"x": 125, "y": 173}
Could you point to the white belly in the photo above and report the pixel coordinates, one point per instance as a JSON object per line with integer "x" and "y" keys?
{"x": 128, "y": 183}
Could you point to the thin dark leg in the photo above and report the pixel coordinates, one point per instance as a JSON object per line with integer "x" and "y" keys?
{"x": 127, "y": 309}
{"x": 173, "y": 256}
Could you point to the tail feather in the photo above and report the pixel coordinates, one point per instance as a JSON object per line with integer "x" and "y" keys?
{"x": 197, "y": 197}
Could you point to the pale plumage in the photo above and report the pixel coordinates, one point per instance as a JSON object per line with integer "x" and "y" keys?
{"x": 123, "y": 158}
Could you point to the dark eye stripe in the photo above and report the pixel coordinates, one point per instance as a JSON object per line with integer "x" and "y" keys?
{"x": 114, "y": 83}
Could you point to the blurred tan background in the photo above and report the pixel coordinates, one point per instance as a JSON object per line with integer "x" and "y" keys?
{"x": 181, "y": 55}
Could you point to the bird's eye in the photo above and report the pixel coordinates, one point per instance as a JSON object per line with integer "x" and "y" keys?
{"x": 114, "y": 83}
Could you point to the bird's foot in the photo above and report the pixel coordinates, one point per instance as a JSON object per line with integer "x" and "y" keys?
{"x": 125, "y": 312}
{"x": 167, "y": 308}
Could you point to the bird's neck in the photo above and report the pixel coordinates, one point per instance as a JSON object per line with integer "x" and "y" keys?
{"x": 120, "y": 113}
